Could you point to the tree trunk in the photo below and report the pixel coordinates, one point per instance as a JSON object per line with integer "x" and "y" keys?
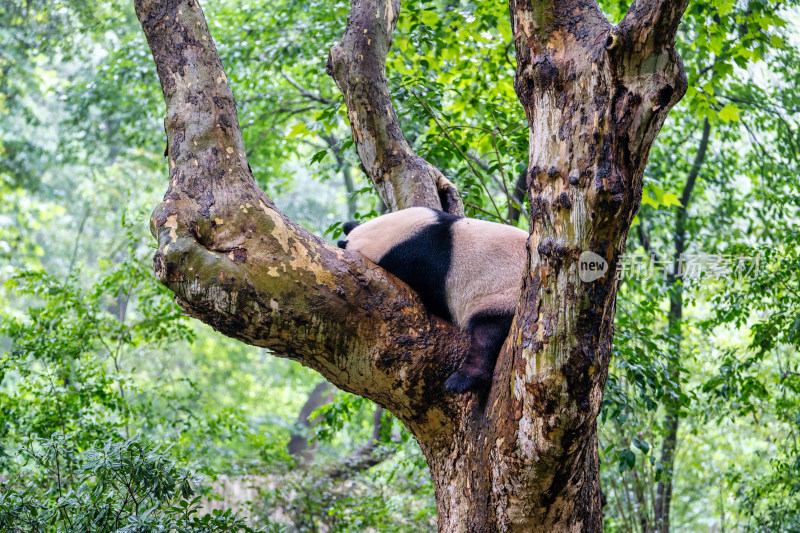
{"x": 524, "y": 456}
{"x": 675, "y": 325}
{"x": 298, "y": 446}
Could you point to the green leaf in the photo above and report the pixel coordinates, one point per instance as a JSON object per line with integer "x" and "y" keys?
{"x": 649, "y": 200}
{"x": 669, "y": 199}
{"x": 729, "y": 113}
{"x": 641, "y": 444}
{"x": 298, "y": 130}
{"x": 319, "y": 156}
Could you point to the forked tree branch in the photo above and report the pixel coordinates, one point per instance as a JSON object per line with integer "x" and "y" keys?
{"x": 237, "y": 263}
{"x": 358, "y": 65}
{"x": 652, "y": 24}
{"x": 541, "y": 21}
{"x": 524, "y": 457}
{"x": 299, "y": 446}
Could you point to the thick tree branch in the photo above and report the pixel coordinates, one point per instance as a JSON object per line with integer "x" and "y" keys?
{"x": 675, "y": 327}
{"x": 652, "y": 24}
{"x": 541, "y": 21}
{"x": 518, "y": 197}
{"x": 358, "y": 64}
{"x": 644, "y": 240}
{"x": 688, "y": 187}
{"x": 367, "y": 456}
{"x": 681, "y": 216}
{"x": 342, "y": 166}
{"x": 594, "y": 103}
{"x": 235, "y": 262}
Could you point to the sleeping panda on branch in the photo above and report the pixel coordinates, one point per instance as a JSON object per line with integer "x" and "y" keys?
{"x": 465, "y": 270}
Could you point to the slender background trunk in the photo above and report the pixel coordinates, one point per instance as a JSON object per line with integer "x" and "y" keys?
{"x": 675, "y": 325}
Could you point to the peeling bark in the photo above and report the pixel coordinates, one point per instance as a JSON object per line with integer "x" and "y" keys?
{"x": 595, "y": 98}
{"x": 523, "y": 458}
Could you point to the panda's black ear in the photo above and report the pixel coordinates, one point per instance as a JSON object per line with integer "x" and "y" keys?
{"x": 349, "y": 226}
{"x": 342, "y": 244}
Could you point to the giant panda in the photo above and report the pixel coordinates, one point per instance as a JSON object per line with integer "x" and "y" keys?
{"x": 467, "y": 271}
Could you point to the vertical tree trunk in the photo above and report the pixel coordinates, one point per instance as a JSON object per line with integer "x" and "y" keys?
{"x": 298, "y": 446}
{"x": 675, "y": 325}
{"x": 347, "y": 178}
{"x": 595, "y": 97}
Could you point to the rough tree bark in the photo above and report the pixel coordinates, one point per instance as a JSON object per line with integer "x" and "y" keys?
{"x": 524, "y": 458}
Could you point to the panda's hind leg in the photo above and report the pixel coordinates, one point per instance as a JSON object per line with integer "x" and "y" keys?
{"x": 487, "y": 332}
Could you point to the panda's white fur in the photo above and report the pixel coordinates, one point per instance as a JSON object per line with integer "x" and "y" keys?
{"x": 376, "y": 237}
{"x": 486, "y": 269}
{"x": 466, "y": 268}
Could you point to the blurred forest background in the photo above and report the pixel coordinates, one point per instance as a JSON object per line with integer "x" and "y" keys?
{"x": 117, "y": 413}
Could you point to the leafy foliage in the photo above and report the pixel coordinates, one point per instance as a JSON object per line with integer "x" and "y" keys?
{"x": 127, "y": 486}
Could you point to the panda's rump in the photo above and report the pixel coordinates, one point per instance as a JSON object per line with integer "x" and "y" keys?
{"x": 487, "y": 264}
{"x": 459, "y": 266}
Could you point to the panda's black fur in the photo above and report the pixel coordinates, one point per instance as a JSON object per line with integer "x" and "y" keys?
{"x": 479, "y": 262}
